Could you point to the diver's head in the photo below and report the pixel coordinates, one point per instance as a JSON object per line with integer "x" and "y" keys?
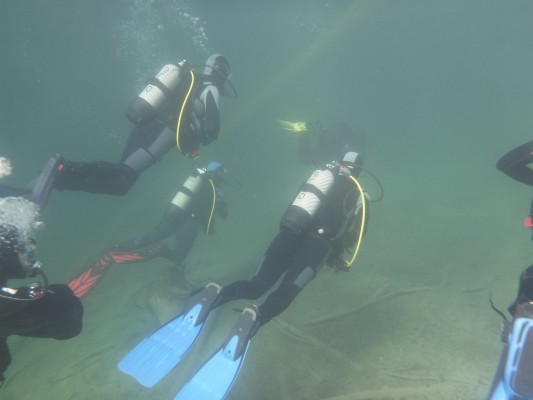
{"x": 217, "y": 69}
{"x": 216, "y": 171}
{"x": 354, "y": 162}
{"x": 16, "y": 254}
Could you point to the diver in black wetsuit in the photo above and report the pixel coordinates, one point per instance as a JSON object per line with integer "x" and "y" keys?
{"x": 192, "y": 209}
{"x": 51, "y": 311}
{"x": 176, "y": 94}
{"x": 513, "y": 378}
{"x": 324, "y": 220}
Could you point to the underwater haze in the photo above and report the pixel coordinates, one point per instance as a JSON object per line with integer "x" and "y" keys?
{"x": 436, "y": 92}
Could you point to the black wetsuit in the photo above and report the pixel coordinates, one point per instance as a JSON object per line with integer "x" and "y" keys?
{"x": 147, "y": 144}
{"x": 300, "y": 255}
{"x": 185, "y": 225}
{"x": 522, "y": 307}
{"x": 515, "y": 163}
{"x": 57, "y": 315}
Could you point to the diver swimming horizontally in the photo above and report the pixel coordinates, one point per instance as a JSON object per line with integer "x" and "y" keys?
{"x": 194, "y": 208}
{"x": 328, "y": 216}
{"x": 178, "y": 108}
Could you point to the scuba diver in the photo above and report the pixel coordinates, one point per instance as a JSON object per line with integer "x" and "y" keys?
{"x": 192, "y": 209}
{"x": 515, "y": 164}
{"x": 47, "y": 311}
{"x": 178, "y": 108}
{"x": 514, "y": 378}
{"x": 319, "y": 145}
{"x": 328, "y": 216}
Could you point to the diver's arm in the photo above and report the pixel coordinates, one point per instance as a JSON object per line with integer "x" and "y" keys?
{"x": 222, "y": 205}
{"x": 515, "y": 163}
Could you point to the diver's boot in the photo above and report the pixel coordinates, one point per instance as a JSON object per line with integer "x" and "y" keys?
{"x": 208, "y": 297}
{"x": 97, "y": 177}
{"x": 245, "y": 328}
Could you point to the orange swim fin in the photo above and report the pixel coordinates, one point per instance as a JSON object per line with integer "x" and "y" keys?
{"x": 83, "y": 283}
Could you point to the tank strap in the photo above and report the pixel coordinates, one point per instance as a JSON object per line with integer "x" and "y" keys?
{"x": 306, "y": 187}
{"x": 187, "y": 191}
{"x": 159, "y": 85}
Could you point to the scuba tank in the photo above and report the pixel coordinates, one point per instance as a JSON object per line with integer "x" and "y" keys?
{"x": 304, "y": 208}
{"x": 182, "y": 201}
{"x": 157, "y": 94}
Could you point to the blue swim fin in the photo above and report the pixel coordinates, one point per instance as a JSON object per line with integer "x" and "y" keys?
{"x": 157, "y": 354}
{"x": 517, "y": 379}
{"x": 44, "y": 183}
{"x": 215, "y": 378}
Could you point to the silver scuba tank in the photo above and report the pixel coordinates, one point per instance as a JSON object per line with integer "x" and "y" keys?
{"x": 182, "y": 203}
{"x": 156, "y": 93}
{"x": 184, "y": 197}
{"x": 300, "y": 214}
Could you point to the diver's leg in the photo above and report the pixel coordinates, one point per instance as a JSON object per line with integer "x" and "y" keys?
{"x": 311, "y": 255}
{"x": 147, "y": 145}
{"x": 276, "y": 261}
{"x": 186, "y": 234}
{"x": 161, "y": 231}
{"x": 96, "y": 177}
{"x": 515, "y": 163}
